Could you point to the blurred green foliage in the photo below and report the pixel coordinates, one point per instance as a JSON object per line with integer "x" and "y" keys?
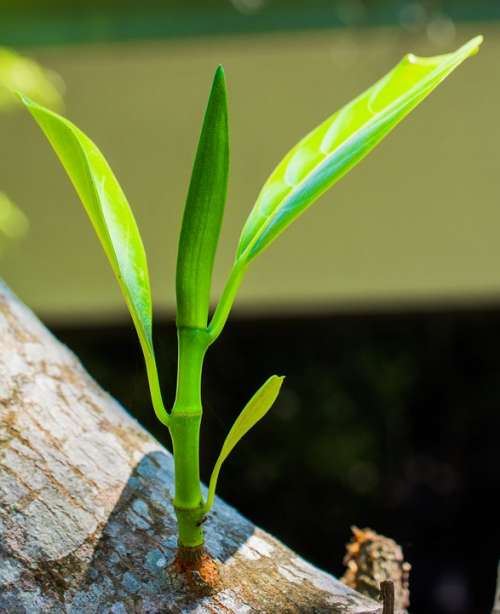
{"x": 13, "y": 222}
{"x": 31, "y": 22}
{"x": 21, "y": 73}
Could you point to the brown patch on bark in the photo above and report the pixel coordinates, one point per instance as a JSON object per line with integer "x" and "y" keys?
{"x": 20, "y": 333}
{"x": 198, "y": 569}
{"x": 55, "y": 577}
{"x": 127, "y": 436}
{"x": 52, "y": 577}
{"x": 13, "y": 433}
{"x": 9, "y": 424}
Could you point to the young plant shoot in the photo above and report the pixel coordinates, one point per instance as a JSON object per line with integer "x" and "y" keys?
{"x": 305, "y": 173}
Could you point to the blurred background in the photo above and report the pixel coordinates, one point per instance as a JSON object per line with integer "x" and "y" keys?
{"x": 381, "y": 305}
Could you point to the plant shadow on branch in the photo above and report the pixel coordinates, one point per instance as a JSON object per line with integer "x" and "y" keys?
{"x": 137, "y": 545}
{"x": 130, "y": 569}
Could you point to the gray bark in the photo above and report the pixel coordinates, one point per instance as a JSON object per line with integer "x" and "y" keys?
{"x": 86, "y": 517}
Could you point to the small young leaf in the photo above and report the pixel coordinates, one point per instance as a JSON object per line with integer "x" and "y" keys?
{"x": 334, "y": 147}
{"x": 204, "y": 211}
{"x": 254, "y": 410}
{"x": 113, "y": 221}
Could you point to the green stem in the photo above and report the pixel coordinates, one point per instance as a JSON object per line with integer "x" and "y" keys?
{"x": 192, "y": 345}
{"x": 226, "y": 300}
{"x": 188, "y": 500}
{"x": 190, "y": 527}
{"x": 184, "y": 425}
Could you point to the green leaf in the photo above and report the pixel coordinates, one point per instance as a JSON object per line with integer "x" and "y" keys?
{"x": 113, "y": 221}
{"x": 338, "y": 144}
{"x": 254, "y": 410}
{"x": 204, "y": 211}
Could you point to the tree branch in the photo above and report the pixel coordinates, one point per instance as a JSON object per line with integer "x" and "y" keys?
{"x": 86, "y": 516}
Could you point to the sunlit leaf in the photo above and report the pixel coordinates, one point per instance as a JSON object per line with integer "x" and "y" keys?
{"x": 338, "y": 144}
{"x": 204, "y": 211}
{"x": 254, "y": 410}
{"x": 106, "y": 207}
{"x": 113, "y": 221}
{"x": 19, "y": 73}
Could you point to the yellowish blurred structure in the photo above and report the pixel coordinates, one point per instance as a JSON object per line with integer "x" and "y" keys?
{"x": 13, "y": 223}
{"x": 20, "y": 73}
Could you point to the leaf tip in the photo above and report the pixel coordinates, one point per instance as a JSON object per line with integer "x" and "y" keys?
{"x": 277, "y": 380}
{"x": 219, "y": 82}
{"x": 474, "y": 44}
{"x": 33, "y": 107}
{"x": 26, "y": 100}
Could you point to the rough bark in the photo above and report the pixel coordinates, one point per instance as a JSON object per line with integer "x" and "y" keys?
{"x": 86, "y": 517}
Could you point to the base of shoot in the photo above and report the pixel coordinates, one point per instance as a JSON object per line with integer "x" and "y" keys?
{"x": 198, "y": 569}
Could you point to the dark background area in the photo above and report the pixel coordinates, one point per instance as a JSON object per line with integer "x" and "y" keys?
{"x": 385, "y": 420}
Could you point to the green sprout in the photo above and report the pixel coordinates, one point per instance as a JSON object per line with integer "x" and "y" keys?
{"x": 305, "y": 173}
